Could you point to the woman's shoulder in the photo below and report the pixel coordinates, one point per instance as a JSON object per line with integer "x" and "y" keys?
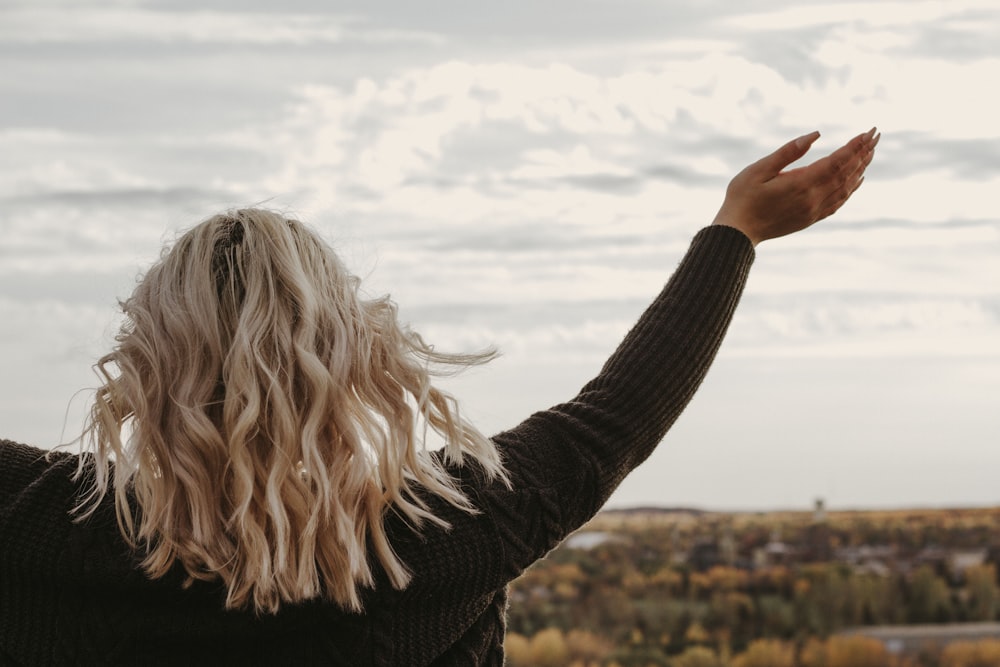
{"x": 23, "y": 466}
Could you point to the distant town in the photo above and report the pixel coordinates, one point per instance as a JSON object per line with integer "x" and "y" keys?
{"x": 818, "y": 588}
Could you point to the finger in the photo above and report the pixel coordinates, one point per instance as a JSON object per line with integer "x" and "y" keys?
{"x": 850, "y": 175}
{"x": 839, "y": 197}
{"x": 833, "y": 205}
{"x": 770, "y": 166}
{"x": 833, "y": 169}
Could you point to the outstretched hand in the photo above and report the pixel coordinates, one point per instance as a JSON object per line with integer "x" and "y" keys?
{"x": 764, "y": 202}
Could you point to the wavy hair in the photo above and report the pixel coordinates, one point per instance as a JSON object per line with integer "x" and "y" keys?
{"x": 266, "y": 417}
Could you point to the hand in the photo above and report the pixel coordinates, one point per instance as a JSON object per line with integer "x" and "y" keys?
{"x": 764, "y": 202}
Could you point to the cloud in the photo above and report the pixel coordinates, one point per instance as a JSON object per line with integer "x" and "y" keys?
{"x": 69, "y": 328}
{"x": 459, "y": 143}
{"x": 479, "y": 132}
{"x": 966, "y": 159}
{"x": 73, "y": 288}
{"x": 59, "y": 236}
{"x": 510, "y": 25}
{"x": 822, "y": 325}
{"x": 880, "y": 14}
{"x": 132, "y": 24}
{"x": 968, "y": 33}
{"x": 499, "y": 128}
{"x": 880, "y": 63}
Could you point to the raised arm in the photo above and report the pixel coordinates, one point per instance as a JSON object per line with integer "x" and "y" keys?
{"x": 566, "y": 461}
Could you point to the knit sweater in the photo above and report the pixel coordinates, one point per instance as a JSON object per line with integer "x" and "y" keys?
{"x": 72, "y": 594}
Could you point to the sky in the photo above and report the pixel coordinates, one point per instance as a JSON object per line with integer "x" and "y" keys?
{"x": 528, "y": 175}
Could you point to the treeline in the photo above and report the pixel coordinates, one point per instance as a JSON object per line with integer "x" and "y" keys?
{"x": 639, "y": 596}
{"x": 664, "y": 613}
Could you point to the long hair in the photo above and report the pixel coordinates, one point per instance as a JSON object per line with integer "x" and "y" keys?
{"x": 266, "y": 417}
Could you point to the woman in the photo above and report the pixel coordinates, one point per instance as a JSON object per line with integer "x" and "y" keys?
{"x": 269, "y": 501}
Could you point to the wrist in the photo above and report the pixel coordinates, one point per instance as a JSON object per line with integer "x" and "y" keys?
{"x": 726, "y": 222}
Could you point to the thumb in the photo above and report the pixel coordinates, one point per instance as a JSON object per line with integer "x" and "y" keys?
{"x": 770, "y": 166}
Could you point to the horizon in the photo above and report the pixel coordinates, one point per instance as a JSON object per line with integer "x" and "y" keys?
{"x": 625, "y": 509}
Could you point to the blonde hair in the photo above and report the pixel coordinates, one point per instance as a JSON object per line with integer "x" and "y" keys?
{"x": 266, "y": 417}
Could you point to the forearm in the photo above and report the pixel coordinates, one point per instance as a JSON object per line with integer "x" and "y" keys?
{"x": 580, "y": 451}
{"x": 652, "y": 376}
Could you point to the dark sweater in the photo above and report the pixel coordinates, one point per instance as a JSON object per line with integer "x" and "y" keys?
{"x": 70, "y": 594}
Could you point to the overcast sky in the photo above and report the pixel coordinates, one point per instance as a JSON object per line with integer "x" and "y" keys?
{"x": 527, "y": 175}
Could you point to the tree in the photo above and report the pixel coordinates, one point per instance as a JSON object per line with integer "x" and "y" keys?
{"x": 587, "y": 647}
{"x": 821, "y": 597}
{"x": 722, "y": 578}
{"x": 929, "y": 598}
{"x": 813, "y": 654}
{"x": 732, "y": 611}
{"x": 548, "y": 649}
{"x": 982, "y": 653}
{"x": 981, "y": 588}
{"x": 696, "y": 634}
{"x": 775, "y": 616}
{"x": 855, "y": 651}
{"x": 516, "y": 647}
{"x": 698, "y": 656}
{"x": 873, "y": 600}
{"x": 667, "y": 580}
{"x": 767, "y": 653}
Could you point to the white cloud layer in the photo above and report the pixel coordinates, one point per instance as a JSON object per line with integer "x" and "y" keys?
{"x": 133, "y": 24}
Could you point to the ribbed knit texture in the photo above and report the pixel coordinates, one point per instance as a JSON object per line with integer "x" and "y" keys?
{"x": 71, "y": 594}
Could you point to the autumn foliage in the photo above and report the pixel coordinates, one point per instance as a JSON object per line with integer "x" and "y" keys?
{"x": 782, "y": 590}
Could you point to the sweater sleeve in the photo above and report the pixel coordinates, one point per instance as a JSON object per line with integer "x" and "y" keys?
{"x": 565, "y": 462}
